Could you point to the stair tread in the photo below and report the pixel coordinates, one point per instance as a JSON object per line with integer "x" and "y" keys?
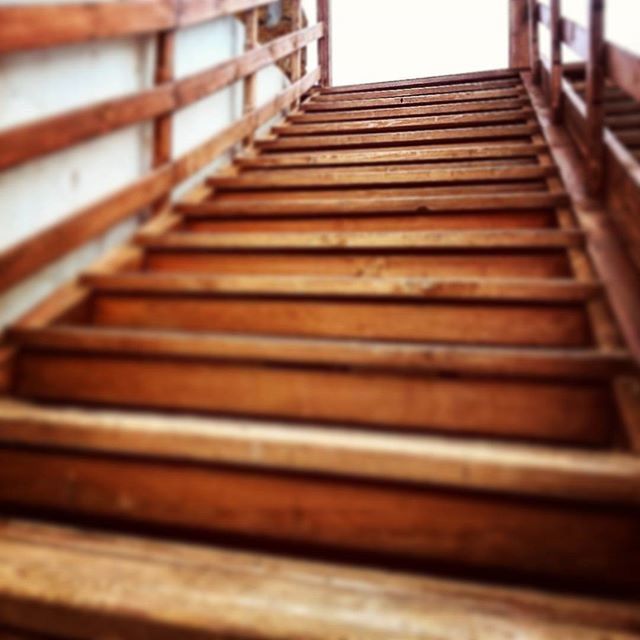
{"x": 353, "y": 241}
{"x": 424, "y": 459}
{"x": 529, "y": 289}
{"x": 401, "y": 357}
{"x": 205, "y": 594}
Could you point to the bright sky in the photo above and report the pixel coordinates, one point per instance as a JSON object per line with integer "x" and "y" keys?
{"x": 375, "y": 40}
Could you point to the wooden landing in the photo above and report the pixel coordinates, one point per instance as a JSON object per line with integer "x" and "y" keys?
{"x": 380, "y": 336}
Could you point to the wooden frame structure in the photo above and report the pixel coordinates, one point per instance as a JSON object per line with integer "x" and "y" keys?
{"x": 30, "y": 27}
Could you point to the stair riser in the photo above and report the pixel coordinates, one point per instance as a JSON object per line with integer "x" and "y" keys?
{"x": 544, "y": 410}
{"x": 430, "y": 528}
{"x": 434, "y": 221}
{"x": 551, "y": 264}
{"x": 484, "y": 323}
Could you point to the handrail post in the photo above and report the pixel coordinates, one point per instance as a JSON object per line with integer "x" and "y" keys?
{"x": 296, "y": 58}
{"x": 534, "y": 42}
{"x": 556, "y": 61}
{"x": 595, "y": 97}
{"x": 249, "y": 83}
{"x": 163, "y": 125}
{"x": 324, "y": 44}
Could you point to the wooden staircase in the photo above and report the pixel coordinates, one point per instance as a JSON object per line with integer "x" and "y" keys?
{"x": 377, "y": 339}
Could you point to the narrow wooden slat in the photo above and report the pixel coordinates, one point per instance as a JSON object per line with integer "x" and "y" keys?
{"x": 410, "y": 288}
{"x": 34, "y": 253}
{"x": 493, "y": 239}
{"x": 534, "y": 41}
{"x": 485, "y": 406}
{"x": 416, "y": 82}
{"x": 323, "y": 12}
{"x": 191, "y": 12}
{"x": 479, "y": 106}
{"x": 380, "y": 356}
{"x": 403, "y": 124}
{"x": 429, "y": 99}
{"x": 328, "y": 594}
{"x": 391, "y": 155}
{"x": 320, "y": 178}
{"x": 202, "y": 155}
{"x": 516, "y": 469}
{"x": 405, "y": 137}
{"x": 363, "y": 205}
{"x": 556, "y": 61}
{"x": 417, "y": 91}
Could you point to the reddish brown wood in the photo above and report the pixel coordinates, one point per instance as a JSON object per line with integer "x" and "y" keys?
{"x": 324, "y": 44}
{"x": 534, "y": 41}
{"x": 556, "y": 62}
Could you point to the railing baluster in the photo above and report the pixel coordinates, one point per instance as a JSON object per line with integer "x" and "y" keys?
{"x": 534, "y": 44}
{"x": 163, "y": 125}
{"x": 324, "y": 44}
{"x": 595, "y": 97}
{"x": 296, "y": 58}
{"x": 249, "y": 85}
{"x": 556, "y": 61}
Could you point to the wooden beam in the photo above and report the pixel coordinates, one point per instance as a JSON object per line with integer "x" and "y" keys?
{"x": 38, "y": 26}
{"x": 324, "y": 44}
{"x": 534, "y": 41}
{"x": 519, "y": 34}
{"x": 555, "y": 83}
{"x": 249, "y": 85}
{"x": 595, "y": 78}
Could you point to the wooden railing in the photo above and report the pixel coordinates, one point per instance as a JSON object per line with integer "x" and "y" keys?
{"x": 602, "y": 59}
{"x": 38, "y": 26}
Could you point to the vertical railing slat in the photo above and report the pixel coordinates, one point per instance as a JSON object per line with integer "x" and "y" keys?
{"x": 534, "y": 43}
{"x": 595, "y": 97}
{"x": 556, "y": 61}
{"x": 324, "y": 44}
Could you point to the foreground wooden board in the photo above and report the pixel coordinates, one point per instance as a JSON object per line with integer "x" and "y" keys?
{"x": 205, "y": 589}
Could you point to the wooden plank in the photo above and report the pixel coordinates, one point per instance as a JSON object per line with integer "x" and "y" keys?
{"x": 249, "y": 86}
{"x": 324, "y": 179}
{"x": 518, "y": 34}
{"x": 401, "y": 288}
{"x": 478, "y": 106}
{"x": 395, "y": 138}
{"x": 595, "y": 73}
{"x": 38, "y": 26}
{"x": 323, "y": 12}
{"x": 199, "y": 157}
{"x": 484, "y": 406}
{"x": 534, "y": 41}
{"x": 379, "y": 356}
{"x": 461, "y": 240}
{"x": 505, "y": 468}
{"x": 392, "y": 155}
{"x": 433, "y": 80}
{"x": 28, "y": 141}
{"x": 556, "y": 61}
{"x": 327, "y": 594}
{"x": 403, "y": 124}
{"x": 509, "y": 324}
{"x": 457, "y": 89}
{"x": 34, "y": 253}
{"x": 428, "y": 99}
{"x": 362, "y": 205}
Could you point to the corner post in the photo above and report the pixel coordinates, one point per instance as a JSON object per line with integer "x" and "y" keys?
{"x": 519, "y": 18}
{"x": 556, "y": 61}
{"x": 534, "y": 41}
{"x": 324, "y": 44}
{"x": 595, "y": 97}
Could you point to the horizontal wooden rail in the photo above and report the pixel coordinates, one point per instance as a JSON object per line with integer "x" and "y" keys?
{"x": 29, "y": 141}
{"x": 34, "y": 253}
{"x": 39, "y": 26}
{"x": 622, "y": 66}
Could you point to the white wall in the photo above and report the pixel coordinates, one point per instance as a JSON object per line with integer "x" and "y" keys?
{"x": 376, "y": 41}
{"x": 37, "y": 84}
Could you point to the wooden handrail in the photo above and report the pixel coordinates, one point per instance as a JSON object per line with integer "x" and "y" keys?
{"x": 39, "y": 26}
{"x": 29, "y": 27}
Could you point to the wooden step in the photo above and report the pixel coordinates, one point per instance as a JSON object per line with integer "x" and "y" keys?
{"x": 466, "y": 289}
{"x": 403, "y": 123}
{"x": 560, "y": 324}
{"x": 392, "y": 155}
{"x": 518, "y": 253}
{"x": 478, "y": 106}
{"x": 456, "y": 88}
{"x": 323, "y": 179}
{"x": 363, "y": 102}
{"x": 328, "y": 204}
{"x": 346, "y": 140}
{"x": 515, "y": 394}
{"x": 108, "y": 584}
